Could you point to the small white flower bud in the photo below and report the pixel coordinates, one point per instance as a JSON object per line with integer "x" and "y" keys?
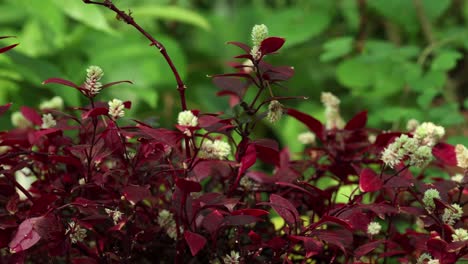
{"x": 93, "y": 76}
{"x": 306, "y": 138}
{"x": 116, "y": 215}
{"x": 423, "y": 257}
{"x": 458, "y": 178}
{"x": 19, "y": 121}
{"x": 275, "y": 111}
{"x": 429, "y": 134}
{"x": 187, "y": 118}
{"x": 233, "y": 258}
{"x": 450, "y": 215}
{"x": 76, "y": 232}
{"x": 412, "y": 124}
{"x": 48, "y": 121}
{"x": 429, "y": 196}
{"x": 116, "y": 108}
{"x": 374, "y": 228}
{"x": 462, "y": 156}
{"x": 460, "y": 234}
{"x": 214, "y": 149}
{"x": 259, "y": 33}
{"x": 55, "y": 103}
{"x": 332, "y": 110}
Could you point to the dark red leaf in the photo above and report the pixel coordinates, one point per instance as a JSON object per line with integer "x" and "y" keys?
{"x": 238, "y": 220}
{"x": 95, "y": 112}
{"x": 271, "y": 44}
{"x": 26, "y": 236}
{"x": 83, "y": 260}
{"x": 248, "y": 160}
{"x": 114, "y": 83}
{"x": 340, "y": 238}
{"x": 311, "y": 245}
{"x": 212, "y": 221}
{"x": 4, "y": 108}
{"x": 31, "y": 115}
{"x": 62, "y": 82}
{"x": 249, "y": 211}
{"x": 369, "y": 181}
{"x": 127, "y": 104}
{"x": 162, "y": 135}
{"x": 267, "y": 151}
{"x": 285, "y": 209}
{"x": 7, "y": 48}
{"x": 359, "y": 121}
{"x": 241, "y": 45}
{"x": 195, "y": 242}
{"x": 313, "y": 124}
{"x": 230, "y": 85}
{"x": 187, "y": 186}
{"x": 343, "y": 223}
{"x": 367, "y": 248}
{"x": 385, "y": 138}
{"x": 445, "y": 153}
{"x": 136, "y": 193}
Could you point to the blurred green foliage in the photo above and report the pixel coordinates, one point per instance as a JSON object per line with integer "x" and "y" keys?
{"x": 399, "y": 59}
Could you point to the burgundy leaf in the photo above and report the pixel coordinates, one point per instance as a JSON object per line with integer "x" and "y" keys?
{"x": 4, "y": 108}
{"x": 313, "y": 124}
{"x": 240, "y": 220}
{"x": 95, "y": 112}
{"x": 369, "y": 181}
{"x": 26, "y": 236}
{"x": 340, "y": 238}
{"x": 267, "y": 151}
{"x": 285, "y": 209}
{"x": 165, "y": 136}
{"x": 63, "y": 82}
{"x": 248, "y": 160}
{"x": 195, "y": 242}
{"x": 311, "y": 245}
{"x": 83, "y": 260}
{"x": 385, "y": 138}
{"x": 445, "y": 153}
{"x": 359, "y": 121}
{"x": 367, "y": 248}
{"x": 7, "y": 48}
{"x": 271, "y": 44}
{"x": 241, "y": 45}
{"x": 230, "y": 85}
{"x": 212, "y": 221}
{"x": 31, "y": 115}
{"x": 136, "y": 193}
{"x": 114, "y": 83}
{"x": 187, "y": 186}
{"x": 343, "y": 223}
{"x": 249, "y": 211}
{"x": 127, "y": 104}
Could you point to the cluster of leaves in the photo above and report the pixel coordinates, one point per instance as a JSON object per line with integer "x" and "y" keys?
{"x": 113, "y": 190}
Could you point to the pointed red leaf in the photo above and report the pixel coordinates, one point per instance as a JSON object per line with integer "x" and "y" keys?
{"x": 4, "y": 108}
{"x": 313, "y": 124}
{"x": 127, "y": 104}
{"x": 95, "y": 112}
{"x": 136, "y": 193}
{"x": 31, "y": 115}
{"x": 239, "y": 220}
{"x": 359, "y": 121}
{"x": 62, "y": 82}
{"x": 195, "y": 242}
{"x": 26, "y": 236}
{"x": 271, "y": 44}
{"x": 114, "y": 83}
{"x": 285, "y": 209}
{"x": 187, "y": 186}
{"x": 249, "y": 211}
{"x": 241, "y": 45}
{"x": 367, "y": 248}
{"x": 248, "y": 160}
{"x": 7, "y": 48}
{"x": 445, "y": 153}
{"x": 369, "y": 181}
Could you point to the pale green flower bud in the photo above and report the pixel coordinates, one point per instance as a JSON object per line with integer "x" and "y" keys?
{"x": 374, "y": 228}
{"x": 116, "y": 215}
{"x": 429, "y": 196}
{"x": 429, "y": 134}
{"x": 412, "y": 124}
{"x": 460, "y": 234}
{"x": 275, "y": 111}
{"x": 214, "y": 149}
{"x": 93, "y": 76}
{"x": 462, "y": 156}
{"x": 48, "y": 121}
{"x": 19, "y": 121}
{"x": 423, "y": 257}
{"x": 259, "y": 33}
{"x": 116, "y": 108}
{"x": 458, "y": 178}
{"x": 306, "y": 138}
{"x": 233, "y": 258}
{"x": 421, "y": 156}
{"x": 332, "y": 110}
{"x": 187, "y": 118}
{"x": 55, "y": 103}
{"x": 450, "y": 215}
{"x": 76, "y": 232}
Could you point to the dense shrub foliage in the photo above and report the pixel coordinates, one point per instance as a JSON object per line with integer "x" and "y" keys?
{"x": 88, "y": 184}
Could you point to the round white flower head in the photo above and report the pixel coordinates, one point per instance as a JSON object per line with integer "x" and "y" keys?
{"x": 451, "y": 215}
{"x": 457, "y": 178}
{"x": 306, "y": 138}
{"x": 429, "y": 196}
{"x": 55, "y": 103}
{"x": 76, "y": 232}
{"x": 115, "y": 214}
{"x": 412, "y": 124}
{"x": 48, "y": 121}
{"x": 423, "y": 257}
{"x": 233, "y": 258}
{"x": 421, "y": 157}
{"x": 19, "y": 121}
{"x": 93, "y": 76}
{"x": 460, "y": 234}
{"x": 116, "y": 108}
{"x": 214, "y": 149}
{"x": 462, "y": 156}
{"x": 275, "y": 111}
{"x": 394, "y": 153}
{"x": 429, "y": 134}
{"x": 187, "y": 118}
{"x": 259, "y": 33}
{"x": 374, "y": 228}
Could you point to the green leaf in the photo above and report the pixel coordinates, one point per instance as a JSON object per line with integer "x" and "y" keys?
{"x": 445, "y": 60}
{"x": 336, "y": 48}
{"x": 172, "y": 13}
{"x": 90, "y": 15}
{"x": 465, "y": 103}
{"x": 446, "y": 114}
{"x": 425, "y": 99}
{"x": 432, "y": 80}
{"x": 356, "y": 73}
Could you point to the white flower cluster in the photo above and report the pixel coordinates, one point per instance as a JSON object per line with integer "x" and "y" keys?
{"x": 275, "y": 111}
{"x": 460, "y": 234}
{"x": 259, "y": 33}
{"x": 306, "y": 138}
{"x": 332, "y": 111}
{"x": 216, "y": 149}
{"x": 374, "y": 228}
{"x": 116, "y": 108}
{"x": 428, "y": 134}
{"x": 187, "y": 118}
{"x": 462, "y": 156}
{"x": 55, "y": 103}
{"x": 458, "y": 178}
{"x": 76, "y": 232}
{"x": 451, "y": 215}
{"x": 233, "y": 258}
{"x": 406, "y": 147}
{"x": 116, "y": 215}
{"x": 412, "y": 124}
{"x": 93, "y": 76}
{"x": 19, "y": 121}
{"x": 429, "y": 196}
{"x": 166, "y": 221}
{"x": 48, "y": 121}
